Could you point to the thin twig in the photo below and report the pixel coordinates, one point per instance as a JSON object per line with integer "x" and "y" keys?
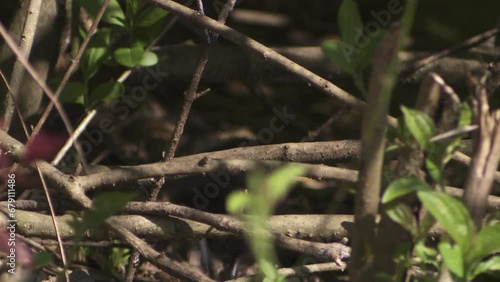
{"x": 44, "y": 185}
{"x": 312, "y": 135}
{"x": 189, "y": 97}
{"x": 79, "y": 130}
{"x": 454, "y": 133}
{"x": 191, "y": 93}
{"x": 430, "y": 61}
{"x": 21, "y": 118}
{"x": 56, "y": 228}
{"x": 301, "y": 271}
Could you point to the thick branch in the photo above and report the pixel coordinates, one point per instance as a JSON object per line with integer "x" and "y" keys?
{"x": 485, "y": 161}
{"x": 293, "y": 152}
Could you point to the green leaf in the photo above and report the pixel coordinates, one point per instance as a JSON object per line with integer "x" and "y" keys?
{"x": 129, "y": 57}
{"x": 488, "y": 266}
{"x": 340, "y": 54}
{"x": 350, "y": 22}
{"x": 107, "y": 91}
{"x": 236, "y": 202}
{"x": 119, "y": 257}
{"x": 402, "y": 130}
{"x": 73, "y": 93}
{"x": 391, "y": 149}
{"x": 148, "y": 29}
{"x": 113, "y": 15}
{"x": 451, "y": 214}
{"x": 43, "y": 259}
{"x": 150, "y": 16}
{"x": 403, "y": 186}
{"x": 452, "y": 257}
{"x": 280, "y": 181}
{"x": 419, "y": 124}
{"x": 96, "y": 53}
{"x": 107, "y": 204}
{"x": 425, "y": 254}
{"x": 487, "y": 242}
{"x": 403, "y": 214}
{"x": 453, "y": 146}
{"x": 103, "y": 206}
{"x": 435, "y": 170}
{"x": 148, "y": 59}
{"x": 465, "y": 115}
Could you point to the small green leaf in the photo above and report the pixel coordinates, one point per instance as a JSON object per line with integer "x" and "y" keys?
{"x": 96, "y": 53}
{"x": 43, "y": 259}
{"x": 282, "y": 179}
{"x": 340, "y": 54}
{"x": 451, "y": 214}
{"x": 350, "y": 22}
{"x": 465, "y": 115}
{"x": 452, "y": 257}
{"x": 103, "y": 206}
{"x": 451, "y": 147}
{"x": 434, "y": 170}
{"x": 419, "y": 124}
{"x": 487, "y": 242}
{"x": 236, "y": 202}
{"x": 391, "y": 149}
{"x": 113, "y": 15}
{"x": 402, "y": 214}
{"x": 402, "y": 130}
{"x": 109, "y": 203}
{"x": 73, "y": 93}
{"x": 147, "y": 29}
{"x": 107, "y": 91}
{"x": 119, "y": 257}
{"x": 403, "y": 186}
{"x": 424, "y": 253}
{"x": 129, "y": 57}
{"x": 488, "y": 266}
{"x": 150, "y": 16}
{"x": 148, "y": 59}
